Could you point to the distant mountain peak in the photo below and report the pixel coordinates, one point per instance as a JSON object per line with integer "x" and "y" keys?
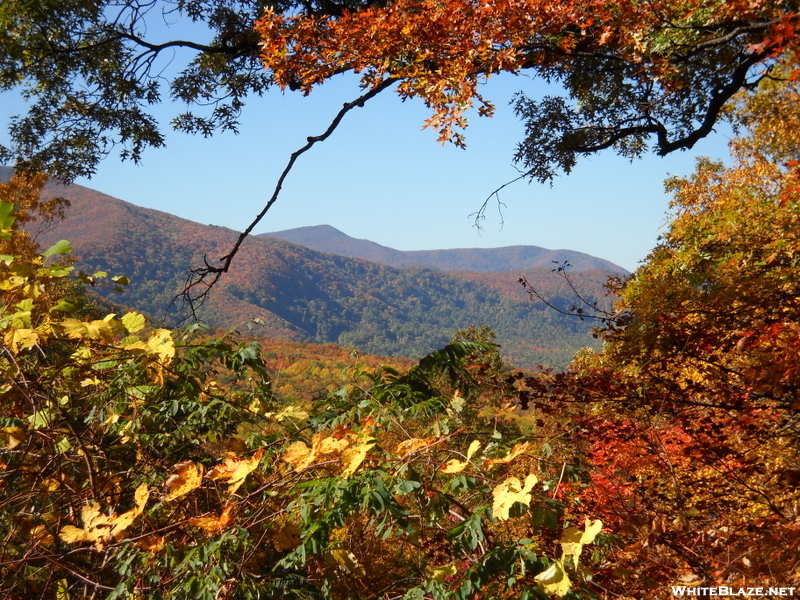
{"x": 326, "y": 238}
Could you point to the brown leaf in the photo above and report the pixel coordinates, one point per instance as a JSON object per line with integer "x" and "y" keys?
{"x": 287, "y": 537}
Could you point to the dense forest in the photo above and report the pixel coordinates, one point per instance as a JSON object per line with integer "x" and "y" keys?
{"x": 139, "y": 461}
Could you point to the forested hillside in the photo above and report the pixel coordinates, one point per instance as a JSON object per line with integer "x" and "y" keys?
{"x": 309, "y": 296}
{"x": 510, "y": 258}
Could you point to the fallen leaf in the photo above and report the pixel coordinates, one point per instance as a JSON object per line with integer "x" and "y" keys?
{"x": 39, "y": 535}
{"x": 12, "y": 436}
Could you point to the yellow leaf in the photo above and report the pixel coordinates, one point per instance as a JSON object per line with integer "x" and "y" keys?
{"x": 215, "y": 524}
{"x": 50, "y": 485}
{"x": 125, "y": 520}
{"x": 408, "y": 446}
{"x": 73, "y": 535}
{"x": 62, "y": 590}
{"x": 440, "y": 572}
{"x": 473, "y": 448}
{"x": 328, "y": 445}
{"x": 12, "y": 436}
{"x": 14, "y": 281}
{"x": 573, "y": 539}
{"x": 515, "y": 452}
{"x": 510, "y": 492}
{"x": 299, "y": 456}
{"x": 553, "y": 581}
{"x": 187, "y": 477}
{"x": 454, "y": 466}
{"x": 592, "y": 529}
{"x": 152, "y": 543}
{"x": 21, "y": 339}
{"x": 353, "y": 457}
{"x": 94, "y": 330}
{"x": 161, "y": 344}
{"x": 133, "y": 322}
{"x": 349, "y": 562}
{"x": 287, "y": 537}
{"x": 291, "y": 412}
{"x": 39, "y": 535}
{"x": 235, "y": 470}
{"x": 99, "y": 527}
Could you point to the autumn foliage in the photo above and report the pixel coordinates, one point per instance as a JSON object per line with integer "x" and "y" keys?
{"x": 635, "y": 70}
{"x": 139, "y": 462}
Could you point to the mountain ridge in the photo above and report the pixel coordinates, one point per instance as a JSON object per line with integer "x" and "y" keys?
{"x": 327, "y": 238}
{"x": 308, "y": 296}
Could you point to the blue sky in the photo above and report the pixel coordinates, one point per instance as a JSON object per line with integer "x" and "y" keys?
{"x": 383, "y": 178}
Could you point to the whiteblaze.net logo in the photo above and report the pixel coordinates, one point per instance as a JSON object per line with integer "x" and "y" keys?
{"x": 733, "y": 592}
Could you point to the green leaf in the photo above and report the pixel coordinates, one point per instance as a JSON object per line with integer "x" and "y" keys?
{"x": 6, "y": 220}
{"x": 62, "y": 445}
{"x": 64, "y": 306}
{"x": 62, "y": 247}
{"x": 41, "y": 418}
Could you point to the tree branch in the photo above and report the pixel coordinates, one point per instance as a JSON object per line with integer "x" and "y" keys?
{"x": 207, "y": 276}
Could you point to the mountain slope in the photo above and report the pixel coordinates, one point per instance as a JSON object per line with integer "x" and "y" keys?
{"x": 510, "y": 258}
{"x": 309, "y": 296}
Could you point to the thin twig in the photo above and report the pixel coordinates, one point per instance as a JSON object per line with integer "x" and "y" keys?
{"x": 480, "y": 214}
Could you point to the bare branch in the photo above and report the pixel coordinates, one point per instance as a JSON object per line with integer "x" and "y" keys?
{"x": 480, "y": 214}
{"x": 207, "y": 276}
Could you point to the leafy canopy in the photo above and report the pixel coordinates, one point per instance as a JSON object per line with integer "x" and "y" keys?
{"x": 634, "y": 74}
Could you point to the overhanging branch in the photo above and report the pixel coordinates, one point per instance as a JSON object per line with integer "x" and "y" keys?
{"x": 204, "y": 278}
